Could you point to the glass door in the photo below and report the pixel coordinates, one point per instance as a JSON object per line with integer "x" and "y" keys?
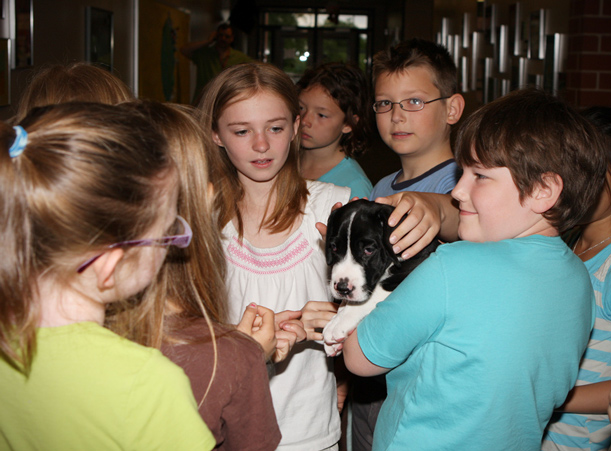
{"x": 297, "y": 40}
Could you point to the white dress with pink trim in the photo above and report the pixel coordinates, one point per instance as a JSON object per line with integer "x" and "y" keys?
{"x": 282, "y": 278}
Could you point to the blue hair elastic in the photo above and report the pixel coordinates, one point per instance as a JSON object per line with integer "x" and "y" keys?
{"x": 21, "y": 139}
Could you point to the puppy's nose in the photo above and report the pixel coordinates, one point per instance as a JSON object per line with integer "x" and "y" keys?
{"x": 343, "y": 287}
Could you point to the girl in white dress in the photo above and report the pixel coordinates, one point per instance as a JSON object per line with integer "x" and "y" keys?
{"x": 275, "y": 257}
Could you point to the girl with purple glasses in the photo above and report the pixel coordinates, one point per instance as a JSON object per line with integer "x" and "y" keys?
{"x": 88, "y": 196}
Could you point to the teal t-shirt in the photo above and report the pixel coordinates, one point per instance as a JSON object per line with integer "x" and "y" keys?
{"x": 90, "y": 389}
{"x": 349, "y": 173}
{"x": 485, "y": 340}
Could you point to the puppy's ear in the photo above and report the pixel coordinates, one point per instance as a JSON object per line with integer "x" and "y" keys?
{"x": 328, "y": 254}
{"x": 383, "y": 215}
{"x": 331, "y": 232}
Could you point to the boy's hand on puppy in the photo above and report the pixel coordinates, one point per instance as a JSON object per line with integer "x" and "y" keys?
{"x": 419, "y": 228}
{"x": 315, "y": 315}
{"x": 425, "y": 215}
{"x": 258, "y": 323}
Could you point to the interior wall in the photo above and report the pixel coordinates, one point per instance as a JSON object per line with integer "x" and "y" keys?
{"x": 59, "y": 37}
{"x": 418, "y": 22}
{"x": 379, "y": 10}
{"x": 557, "y": 14}
{"x": 163, "y": 73}
{"x": 59, "y": 26}
{"x": 204, "y": 17}
{"x": 558, "y": 11}
{"x": 589, "y": 59}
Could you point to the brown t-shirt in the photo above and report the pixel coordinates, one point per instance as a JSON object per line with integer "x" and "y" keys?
{"x": 238, "y": 408}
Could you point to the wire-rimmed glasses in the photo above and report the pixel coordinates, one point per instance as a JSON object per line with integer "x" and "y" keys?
{"x": 182, "y": 241}
{"x": 413, "y": 104}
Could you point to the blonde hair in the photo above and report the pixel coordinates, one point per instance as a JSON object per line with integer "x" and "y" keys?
{"x": 233, "y": 85}
{"x": 194, "y": 277}
{"x": 196, "y": 273}
{"x": 75, "y": 82}
{"x": 88, "y": 177}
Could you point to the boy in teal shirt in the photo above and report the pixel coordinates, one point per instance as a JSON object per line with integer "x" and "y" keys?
{"x": 484, "y": 339}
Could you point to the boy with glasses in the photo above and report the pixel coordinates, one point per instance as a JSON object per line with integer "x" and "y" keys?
{"x": 416, "y": 102}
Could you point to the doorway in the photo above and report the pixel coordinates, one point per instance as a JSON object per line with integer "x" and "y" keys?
{"x": 295, "y": 40}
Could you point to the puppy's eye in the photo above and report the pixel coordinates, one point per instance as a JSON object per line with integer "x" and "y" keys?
{"x": 368, "y": 250}
{"x": 333, "y": 247}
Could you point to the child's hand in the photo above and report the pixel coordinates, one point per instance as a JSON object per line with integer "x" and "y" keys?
{"x": 289, "y": 330}
{"x": 322, "y": 228}
{"x": 258, "y": 322}
{"x": 315, "y": 315}
{"x": 429, "y": 215}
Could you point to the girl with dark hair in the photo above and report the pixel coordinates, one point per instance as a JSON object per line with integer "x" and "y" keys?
{"x": 335, "y": 126}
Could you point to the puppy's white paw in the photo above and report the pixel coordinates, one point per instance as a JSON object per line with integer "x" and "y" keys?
{"x": 336, "y": 331}
{"x": 328, "y": 333}
{"x": 334, "y": 349}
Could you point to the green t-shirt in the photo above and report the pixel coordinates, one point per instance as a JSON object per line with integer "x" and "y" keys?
{"x": 91, "y": 389}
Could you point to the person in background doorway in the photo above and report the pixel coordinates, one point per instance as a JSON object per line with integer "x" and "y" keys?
{"x": 212, "y": 55}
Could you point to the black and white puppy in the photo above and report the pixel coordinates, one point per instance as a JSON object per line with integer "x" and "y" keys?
{"x": 364, "y": 268}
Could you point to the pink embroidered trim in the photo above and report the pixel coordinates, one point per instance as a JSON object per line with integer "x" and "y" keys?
{"x": 274, "y": 262}
{"x": 268, "y": 254}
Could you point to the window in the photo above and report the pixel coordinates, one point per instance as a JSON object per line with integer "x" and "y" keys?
{"x": 296, "y": 40}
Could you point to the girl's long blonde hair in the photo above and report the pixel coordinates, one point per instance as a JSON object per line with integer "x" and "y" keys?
{"x": 88, "y": 177}
{"x": 194, "y": 277}
{"x": 233, "y": 85}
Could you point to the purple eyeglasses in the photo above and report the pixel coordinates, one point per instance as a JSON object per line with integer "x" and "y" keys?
{"x": 181, "y": 241}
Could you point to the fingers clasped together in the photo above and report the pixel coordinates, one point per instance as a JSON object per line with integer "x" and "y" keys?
{"x": 277, "y": 333}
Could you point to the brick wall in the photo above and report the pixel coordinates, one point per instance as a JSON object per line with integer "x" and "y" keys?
{"x": 588, "y": 68}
